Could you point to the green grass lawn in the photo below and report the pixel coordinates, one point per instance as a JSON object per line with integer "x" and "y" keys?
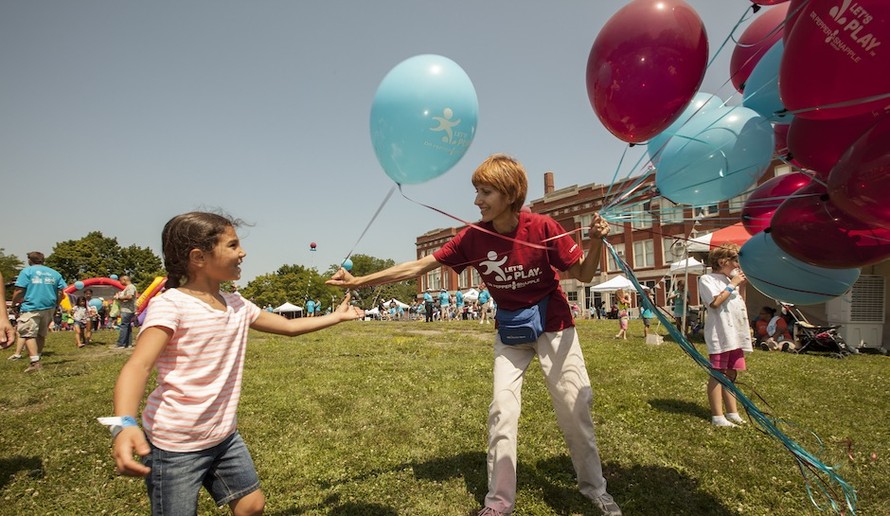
{"x": 371, "y": 418}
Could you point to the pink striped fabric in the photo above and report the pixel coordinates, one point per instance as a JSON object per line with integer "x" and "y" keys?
{"x": 195, "y": 404}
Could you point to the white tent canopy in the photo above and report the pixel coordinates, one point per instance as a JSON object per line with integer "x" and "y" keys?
{"x": 614, "y": 284}
{"x": 373, "y": 311}
{"x": 397, "y": 302}
{"x": 287, "y": 308}
{"x": 690, "y": 265}
{"x": 471, "y": 295}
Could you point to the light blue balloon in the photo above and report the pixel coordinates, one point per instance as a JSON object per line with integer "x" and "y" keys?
{"x": 780, "y": 276}
{"x": 700, "y": 103}
{"x": 423, "y": 118}
{"x": 96, "y": 303}
{"x": 347, "y": 264}
{"x": 762, "y": 87}
{"x": 717, "y": 155}
{"x": 114, "y": 276}
{"x": 78, "y": 285}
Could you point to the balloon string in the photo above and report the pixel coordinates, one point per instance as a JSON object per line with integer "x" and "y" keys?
{"x": 488, "y": 231}
{"x": 845, "y": 103}
{"x": 368, "y": 226}
{"x": 812, "y": 469}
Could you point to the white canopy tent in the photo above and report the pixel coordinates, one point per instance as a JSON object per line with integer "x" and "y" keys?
{"x": 287, "y": 308}
{"x": 471, "y": 295}
{"x": 689, "y": 265}
{"x": 398, "y": 303}
{"x": 618, "y": 282}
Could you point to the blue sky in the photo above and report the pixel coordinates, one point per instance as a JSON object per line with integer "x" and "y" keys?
{"x": 116, "y": 116}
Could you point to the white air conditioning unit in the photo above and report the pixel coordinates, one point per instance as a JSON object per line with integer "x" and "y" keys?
{"x": 860, "y": 312}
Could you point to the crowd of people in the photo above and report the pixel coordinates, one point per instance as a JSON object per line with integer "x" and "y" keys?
{"x": 35, "y": 311}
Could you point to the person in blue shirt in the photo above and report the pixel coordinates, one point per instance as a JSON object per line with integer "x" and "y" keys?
{"x": 459, "y": 304}
{"x": 317, "y": 308}
{"x": 484, "y": 304}
{"x": 39, "y": 289}
{"x": 428, "y": 305}
{"x": 444, "y": 304}
{"x": 310, "y": 308}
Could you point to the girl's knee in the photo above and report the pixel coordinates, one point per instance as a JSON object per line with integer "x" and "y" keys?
{"x": 252, "y": 504}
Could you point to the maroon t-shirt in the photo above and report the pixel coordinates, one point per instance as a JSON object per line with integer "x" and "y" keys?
{"x": 518, "y": 275}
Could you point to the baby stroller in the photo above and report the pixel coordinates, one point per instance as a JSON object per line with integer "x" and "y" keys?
{"x": 809, "y": 337}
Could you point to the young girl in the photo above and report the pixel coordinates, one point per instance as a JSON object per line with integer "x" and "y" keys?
{"x": 726, "y": 329}
{"x": 195, "y": 336}
{"x": 81, "y": 317}
{"x": 622, "y": 299}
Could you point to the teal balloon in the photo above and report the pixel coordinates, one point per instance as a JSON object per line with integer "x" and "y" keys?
{"x": 780, "y": 276}
{"x": 114, "y": 276}
{"x": 423, "y": 118}
{"x": 78, "y": 285}
{"x": 96, "y": 303}
{"x": 717, "y": 155}
{"x": 762, "y": 87}
{"x": 347, "y": 264}
{"x": 700, "y": 103}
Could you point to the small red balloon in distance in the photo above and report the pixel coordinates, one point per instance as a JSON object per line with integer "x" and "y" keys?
{"x": 764, "y": 31}
{"x": 835, "y": 63}
{"x": 859, "y": 183}
{"x": 765, "y": 199}
{"x": 809, "y": 227}
{"x": 645, "y": 65}
{"x": 313, "y": 245}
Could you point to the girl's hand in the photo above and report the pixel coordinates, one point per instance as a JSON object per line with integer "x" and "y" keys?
{"x": 599, "y": 228}
{"x": 130, "y": 440}
{"x": 739, "y": 278}
{"x": 347, "y": 311}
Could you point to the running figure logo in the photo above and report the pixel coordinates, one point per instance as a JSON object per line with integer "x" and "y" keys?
{"x": 493, "y": 266}
{"x": 445, "y": 124}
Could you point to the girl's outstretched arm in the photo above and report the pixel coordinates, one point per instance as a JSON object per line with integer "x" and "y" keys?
{"x": 274, "y": 323}
{"x": 128, "y": 393}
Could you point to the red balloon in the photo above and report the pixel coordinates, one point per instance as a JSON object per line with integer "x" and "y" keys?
{"x": 766, "y": 29}
{"x": 860, "y": 182}
{"x": 818, "y": 144}
{"x": 766, "y": 198}
{"x": 645, "y": 66}
{"x": 836, "y": 60}
{"x": 795, "y": 8}
{"x": 809, "y": 227}
{"x": 313, "y": 245}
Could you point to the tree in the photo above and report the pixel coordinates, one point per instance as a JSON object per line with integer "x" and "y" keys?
{"x": 96, "y": 255}
{"x": 368, "y": 297}
{"x": 10, "y": 265}
{"x": 292, "y": 283}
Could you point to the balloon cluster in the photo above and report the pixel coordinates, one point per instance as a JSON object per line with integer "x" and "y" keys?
{"x": 815, "y": 91}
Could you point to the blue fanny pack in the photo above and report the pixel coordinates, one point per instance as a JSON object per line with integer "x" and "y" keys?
{"x": 523, "y": 325}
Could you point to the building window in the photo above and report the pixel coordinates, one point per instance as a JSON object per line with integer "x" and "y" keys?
{"x": 613, "y": 266}
{"x": 584, "y": 221}
{"x": 674, "y": 248}
{"x": 670, "y": 213}
{"x": 737, "y": 203}
{"x": 702, "y": 212}
{"x": 572, "y": 296}
{"x": 641, "y": 218}
{"x": 644, "y": 253}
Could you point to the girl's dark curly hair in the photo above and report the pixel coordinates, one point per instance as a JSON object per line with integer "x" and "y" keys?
{"x": 193, "y": 230}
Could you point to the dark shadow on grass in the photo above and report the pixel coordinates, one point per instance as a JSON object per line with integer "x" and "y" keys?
{"x": 12, "y": 465}
{"x": 639, "y": 490}
{"x": 681, "y": 407}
